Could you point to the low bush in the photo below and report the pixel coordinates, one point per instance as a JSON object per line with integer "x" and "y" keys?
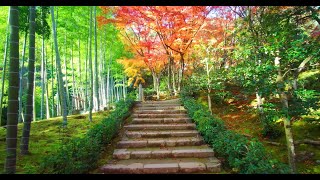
{"x": 242, "y": 155}
{"x": 80, "y": 155}
{"x": 271, "y": 114}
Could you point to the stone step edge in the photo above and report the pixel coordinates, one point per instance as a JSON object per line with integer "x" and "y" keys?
{"x": 154, "y": 154}
{"x": 160, "y": 127}
{"x": 161, "y": 111}
{"x": 167, "y": 121}
{"x": 164, "y": 115}
{"x": 160, "y": 102}
{"x": 158, "y": 105}
{"x": 139, "y": 134}
{"x": 159, "y": 143}
{"x": 181, "y": 167}
{"x": 164, "y": 118}
{"x": 159, "y": 108}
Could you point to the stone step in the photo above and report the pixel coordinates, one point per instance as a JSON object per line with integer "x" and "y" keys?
{"x": 163, "y": 134}
{"x": 161, "y": 108}
{"x": 160, "y": 142}
{"x": 163, "y": 153}
{"x": 135, "y": 115}
{"x": 163, "y": 101}
{"x": 163, "y": 166}
{"x": 160, "y": 120}
{"x": 187, "y": 126}
{"x": 182, "y": 111}
{"x": 158, "y": 105}
{"x": 203, "y": 146}
{"x": 158, "y": 102}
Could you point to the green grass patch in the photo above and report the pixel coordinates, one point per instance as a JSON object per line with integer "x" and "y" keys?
{"x": 46, "y": 137}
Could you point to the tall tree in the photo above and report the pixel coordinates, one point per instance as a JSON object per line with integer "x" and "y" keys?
{"x": 90, "y": 68}
{"x": 13, "y": 102}
{"x": 4, "y": 67}
{"x": 62, "y": 94}
{"x": 46, "y": 87}
{"x": 21, "y": 75}
{"x": 42, "y": 79}
{"x": 96, "y": 74}
{"x": 52, "y": 83}
{"x": 66, "y": 70}
{"x": 30, "y": 85}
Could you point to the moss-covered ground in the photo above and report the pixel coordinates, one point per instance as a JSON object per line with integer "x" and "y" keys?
{"x": 46, "y": 137}
{"x": 240, "y": 116}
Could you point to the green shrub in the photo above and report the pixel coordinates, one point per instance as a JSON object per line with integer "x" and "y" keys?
{"x": 270, "y": 115}
{"x": 257, "y": 161}
{"x": 79, "y": 155}
{"x": 243, "y": 155}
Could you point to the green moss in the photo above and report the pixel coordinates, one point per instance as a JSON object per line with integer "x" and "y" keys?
{"x": 46, "y": 137}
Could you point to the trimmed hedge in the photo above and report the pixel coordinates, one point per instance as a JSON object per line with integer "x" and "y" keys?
{"x": 80, "y": 155}
{"x": 243, "y": 155}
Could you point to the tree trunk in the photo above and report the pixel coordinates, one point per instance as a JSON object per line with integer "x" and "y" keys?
{"x": 59, "y": 113}
{"x": 156, "y": 84}
{"x": 140, "y": 92}
{"x": 115, "y": 91}
{"x": 124, "y": 87}
{"x": 42, "y": 79}
{"x": 66, "y": 71}
{"x": 59, "y": 72}
{"x": 46, "y": 86}
{"x": 31, "y": 74}
{"x": 158, "y": 87}
{"x": 86, "y": 78}
{"x": 73, "y": 100}
{"x": 52, "y": 83}
{"x": 112, "y": 89}
{"x": 13, "y": 102}
{"x": 289, "y": 135}
{"x": 154, "y": 80}
{"x": 174, "y": 82}
{"x": 259, "y": 101}
{"x": 90, "y": 69}
{"x": 34, "y": 95}
{"x": 4, "y": 67}
{"x": 95, "y": 61}
{"x": 170, "y": 64}
{"x": 80, "y": 80}
{"x": 181, "y": 71}
{"x": 208, "y": 85}
{"x": 21, "y": 118}
{"x": 286, "y": 120}
{"x": 108, "y": 82}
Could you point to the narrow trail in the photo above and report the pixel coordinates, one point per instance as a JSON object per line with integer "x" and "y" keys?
{"x": 161, "y": 139}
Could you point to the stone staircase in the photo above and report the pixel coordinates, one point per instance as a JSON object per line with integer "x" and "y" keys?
{"x": 161, "y": 139}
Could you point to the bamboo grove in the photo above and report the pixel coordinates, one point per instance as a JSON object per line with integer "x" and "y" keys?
{"x": 65, "y": 65}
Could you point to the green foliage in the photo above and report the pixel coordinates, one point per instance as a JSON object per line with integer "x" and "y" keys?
{"x": 269, "y": 116}
{"x": 41, "y": 14}
{"x": 303, "y": 102}
{"x": 306, "y": 79}
{"x": 254, "y": 162}
{"x": 243, "y": 155}
{"x": 79, "y": 155}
